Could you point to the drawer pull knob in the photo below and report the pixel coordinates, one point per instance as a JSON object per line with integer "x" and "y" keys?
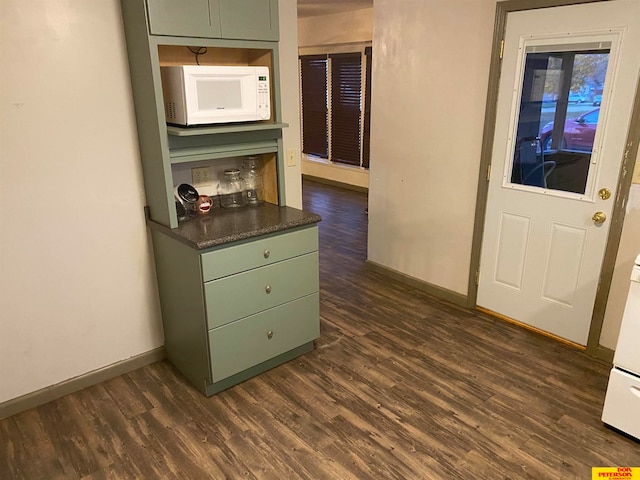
{"x": 269, "y": 334}
{"x": 267, "y": 289}
{"x": 267, "y": 253}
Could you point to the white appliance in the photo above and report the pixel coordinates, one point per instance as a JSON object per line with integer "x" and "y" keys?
{"x": 622, "y": 401}
{"x": 206, "y": 94}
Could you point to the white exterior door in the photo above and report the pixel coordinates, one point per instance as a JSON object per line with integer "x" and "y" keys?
{"x": 566, "y": 92}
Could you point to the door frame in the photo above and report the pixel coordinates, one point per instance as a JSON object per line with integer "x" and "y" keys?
{"x": 503, "y": 8}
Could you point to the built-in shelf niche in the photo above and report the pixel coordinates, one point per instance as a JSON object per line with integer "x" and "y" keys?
{"x": 181, "y": 173}
{"x": 223, "y": 145}
{"x": 170, "y": 55}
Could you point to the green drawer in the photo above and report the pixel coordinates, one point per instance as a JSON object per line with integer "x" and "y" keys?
{"x": 255, "y": 339}
{"x": 231, "y": 298}
{"x": 257, "y": 253}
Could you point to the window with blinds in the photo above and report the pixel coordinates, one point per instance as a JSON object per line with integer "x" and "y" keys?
{"x": 334, "y": 125}
{"x": 314, "y": 105}
{"x": 366, "y": 131}
{"x": 346, "y": 100}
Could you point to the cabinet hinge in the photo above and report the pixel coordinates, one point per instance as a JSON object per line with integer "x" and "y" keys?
{"x": 477, "y": 277}
{"x": 488, "y": 172}
{"x": 501, "y": 49}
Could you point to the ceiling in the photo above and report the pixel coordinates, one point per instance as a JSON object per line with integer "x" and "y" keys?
{"x": 310, "y": 8}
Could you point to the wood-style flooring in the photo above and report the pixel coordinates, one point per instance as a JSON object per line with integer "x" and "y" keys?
{"x": 399, "y": 386}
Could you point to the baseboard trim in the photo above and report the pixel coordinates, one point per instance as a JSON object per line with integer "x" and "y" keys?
{"x": 335, "y": 183}
{"x": 53, "y": 392}
{"x": 442, "y": 293}
{"x": 602, "y": 353}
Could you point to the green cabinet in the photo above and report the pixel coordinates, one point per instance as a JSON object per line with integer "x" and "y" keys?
{"x": 184, "y": 18}
{"x": 264, "y": 312}
{"x": 237, "y": 303}
{"x": 231, "y": 19}
{"x": 249, "y": 19}
{"x": 167, "y": 32}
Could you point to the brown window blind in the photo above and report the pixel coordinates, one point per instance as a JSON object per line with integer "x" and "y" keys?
{"x": 346, "y": 92}
{"x": 366, "y": 130}
{"x": 314, "y": 104}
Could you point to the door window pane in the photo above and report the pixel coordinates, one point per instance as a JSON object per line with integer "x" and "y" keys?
{"x": 558, "y": 118}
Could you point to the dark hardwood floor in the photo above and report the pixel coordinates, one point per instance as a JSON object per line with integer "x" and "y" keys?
{"x": 399, "y": 386}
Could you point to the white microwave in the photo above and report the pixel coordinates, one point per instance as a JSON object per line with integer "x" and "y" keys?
{"x": 206, "y": 94}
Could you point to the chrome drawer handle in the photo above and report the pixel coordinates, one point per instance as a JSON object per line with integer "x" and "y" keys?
{"x": 267, "y": 289}
{"x": 269, "y": 334}
{"x": 267, "y": 253}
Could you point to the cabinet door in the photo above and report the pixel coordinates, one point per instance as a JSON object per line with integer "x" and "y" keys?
{"x": 184, "y": 18}
{"x": 249, "y": 19}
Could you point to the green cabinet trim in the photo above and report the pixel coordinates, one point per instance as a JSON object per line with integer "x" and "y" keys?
{"x": 187, "y": 157}
{"x": 224, "y": 145}
{"x": 224, "y": 142}
{"x": 234, "y": 128}
{"x": 152, "y": 140}
{"x": 183, "y": 309}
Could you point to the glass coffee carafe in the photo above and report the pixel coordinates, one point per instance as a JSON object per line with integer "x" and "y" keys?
{"x": 232, "y": 189}
{"x": 252, "y": 173}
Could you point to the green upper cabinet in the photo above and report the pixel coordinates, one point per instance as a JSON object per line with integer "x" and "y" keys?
{"x": 233, "y": 19}
{"x": 184, "y": 18}
{"x": 249, "y": 19}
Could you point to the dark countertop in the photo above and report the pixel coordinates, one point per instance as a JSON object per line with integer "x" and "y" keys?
{"x": 223, "y": 226}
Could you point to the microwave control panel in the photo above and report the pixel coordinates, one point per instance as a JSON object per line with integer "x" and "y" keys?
{"x": 264, "y": 110}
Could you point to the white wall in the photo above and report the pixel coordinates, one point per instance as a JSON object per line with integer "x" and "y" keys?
{"x": 290, "y": 88}
{"x": 430, "y": 73}
{"x": 77, "y": 287}
{"x": 321, "y": 34}
{"x": 345, "y": 27}
{"x": 77, "y": 284}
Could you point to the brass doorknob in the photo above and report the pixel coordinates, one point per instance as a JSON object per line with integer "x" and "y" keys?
{"x": 604, "y": 193}
{"x": 599, "y": 217}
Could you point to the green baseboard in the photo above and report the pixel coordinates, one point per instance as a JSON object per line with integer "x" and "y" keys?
{"x": 53, "y": 392}
{"x": 602, "y": 353}
{"x": 443, "y": 293}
